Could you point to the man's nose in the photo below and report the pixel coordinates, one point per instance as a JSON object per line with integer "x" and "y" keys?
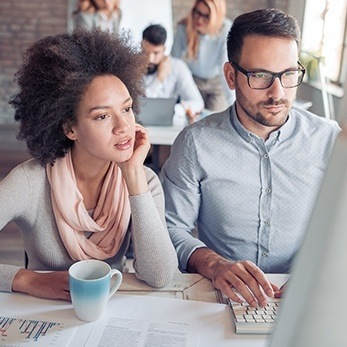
{"x": 276, "y": 90}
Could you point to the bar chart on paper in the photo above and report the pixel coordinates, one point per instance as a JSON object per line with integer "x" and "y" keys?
{"x": 18, "y": 332}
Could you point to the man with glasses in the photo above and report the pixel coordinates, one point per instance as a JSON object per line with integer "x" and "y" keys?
{"x": 248, "y": 177}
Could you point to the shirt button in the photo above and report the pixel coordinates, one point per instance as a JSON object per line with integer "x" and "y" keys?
{"x": 267, "y": 222}
{"x": 266, "y": 156}
{"x": 268, "y": 190}
{"x": 264, "y": 254}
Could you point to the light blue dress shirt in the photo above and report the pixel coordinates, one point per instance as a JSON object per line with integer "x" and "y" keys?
{"x": 250, "y": 199}
{"x": 211, "y": 57}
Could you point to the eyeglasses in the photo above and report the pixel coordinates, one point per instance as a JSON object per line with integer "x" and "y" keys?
{"x": 258, "y": 79}
{"x": 197, "y": 14}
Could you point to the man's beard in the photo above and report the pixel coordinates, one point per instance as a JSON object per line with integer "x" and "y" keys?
{"x": 151, "y": 69}
{"x": 253, "y": 112}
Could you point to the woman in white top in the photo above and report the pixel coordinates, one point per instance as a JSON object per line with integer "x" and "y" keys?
{"x": 200, "y": 40}
{"x": 86, "y": 192}
{"x": 103, "y": 14}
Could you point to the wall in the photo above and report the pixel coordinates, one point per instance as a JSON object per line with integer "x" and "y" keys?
{"x": 137, "y": 21}
{"x": 23, "y": 22}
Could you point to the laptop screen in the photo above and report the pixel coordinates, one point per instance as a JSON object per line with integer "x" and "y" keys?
{"x": 156, "y": 111}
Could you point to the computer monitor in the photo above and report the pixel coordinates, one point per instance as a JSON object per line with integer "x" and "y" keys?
{"x": 313, "y": 312}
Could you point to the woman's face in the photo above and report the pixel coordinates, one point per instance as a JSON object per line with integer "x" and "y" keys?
{"x": 106, "y": 5}
{"x": 201, "y": 15}
{"x": 105, "y": 123}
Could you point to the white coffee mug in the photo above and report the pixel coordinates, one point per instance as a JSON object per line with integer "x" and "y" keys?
{"x": 91, "y": 285}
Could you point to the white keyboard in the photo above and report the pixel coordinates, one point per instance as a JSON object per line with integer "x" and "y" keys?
{"x": 254, "y": 320}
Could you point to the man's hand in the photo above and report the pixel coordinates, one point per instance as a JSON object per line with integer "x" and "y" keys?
{"x": 191, "y": 116}
{"x": 164, "y": 68}
{"x": 279, "y": 293}
{"x": 48, "y": 285}
{"x": 237, "y": 280}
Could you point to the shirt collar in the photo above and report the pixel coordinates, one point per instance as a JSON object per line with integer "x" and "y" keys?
{"x": 280, "y": 134}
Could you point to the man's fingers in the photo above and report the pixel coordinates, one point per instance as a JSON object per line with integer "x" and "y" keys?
{"x": 251, "y": 283}
{"x": 275, "y": 287}
{"x": 230, "y": 293}
{"x": 260, "y": 278}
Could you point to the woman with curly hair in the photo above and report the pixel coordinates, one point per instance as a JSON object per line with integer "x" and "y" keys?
{"x": 200, "y": 40}
{"x": 86, "y": 192}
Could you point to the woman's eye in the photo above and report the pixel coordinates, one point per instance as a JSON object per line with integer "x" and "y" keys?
{"x": 128, "y": 109}
{"x": 101, "y": 117}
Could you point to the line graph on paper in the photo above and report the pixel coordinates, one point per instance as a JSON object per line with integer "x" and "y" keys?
{"x": 23, "y": 332}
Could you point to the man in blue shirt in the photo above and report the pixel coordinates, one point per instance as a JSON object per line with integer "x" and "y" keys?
{"x": 248, "y": 177}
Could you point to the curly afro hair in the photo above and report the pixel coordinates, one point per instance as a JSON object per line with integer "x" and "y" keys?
{"x": 55, "y": 73}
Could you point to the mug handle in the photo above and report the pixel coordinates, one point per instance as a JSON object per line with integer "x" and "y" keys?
{"x": 118, "y": 281}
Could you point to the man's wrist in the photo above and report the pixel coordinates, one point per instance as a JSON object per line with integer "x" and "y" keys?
{"x": 203, "y": 261}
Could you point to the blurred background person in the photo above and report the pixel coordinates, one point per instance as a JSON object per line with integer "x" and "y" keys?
{"x": 169, "y": 77}
{"x": 103, "y": 14}
{"x": 201, "y": 41}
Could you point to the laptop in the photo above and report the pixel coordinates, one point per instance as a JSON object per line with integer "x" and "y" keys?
{"x": 156, "y": 111}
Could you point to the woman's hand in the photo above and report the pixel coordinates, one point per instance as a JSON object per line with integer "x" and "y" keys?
{"x": 140, "y": 151}
{"x": 132, "y": 169}
{"x": 47, "y": 285}
{"x": 141, "y": 145}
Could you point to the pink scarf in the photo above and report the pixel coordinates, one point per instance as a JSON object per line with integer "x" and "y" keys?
{"x": 110, "y": 218}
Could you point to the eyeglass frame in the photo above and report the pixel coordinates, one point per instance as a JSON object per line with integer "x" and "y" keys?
{"x": 205, "y": 17}
{"x": 273, "y": 74}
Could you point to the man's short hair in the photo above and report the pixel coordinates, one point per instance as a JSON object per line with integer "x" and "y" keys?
{"x": 155, "y": 34}
{"x": 265, "y": 22}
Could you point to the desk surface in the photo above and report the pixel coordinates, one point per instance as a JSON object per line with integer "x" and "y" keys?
{"x": 198, "y": 307}
{"x": 166, "y": 135}
{"x": 183, "y": 286}
{"x": 163, "y": 135}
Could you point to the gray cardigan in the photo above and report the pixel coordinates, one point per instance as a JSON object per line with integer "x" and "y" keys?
{"x": 25, "y": 199}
